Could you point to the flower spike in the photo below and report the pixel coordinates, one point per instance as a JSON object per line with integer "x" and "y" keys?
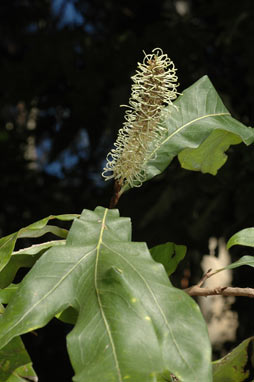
{"x": 154, "y": 87}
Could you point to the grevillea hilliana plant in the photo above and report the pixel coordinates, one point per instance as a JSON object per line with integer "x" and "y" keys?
{"x": 154, "y": 87}
{"x": 129, "y": 322}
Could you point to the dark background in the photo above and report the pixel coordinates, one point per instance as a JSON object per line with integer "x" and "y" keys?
{"x": 65, "y": 68}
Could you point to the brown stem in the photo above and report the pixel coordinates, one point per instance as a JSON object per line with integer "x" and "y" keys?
{"x": 223, "y": 291}
{"x": 116, "y": 195}
{"x": 205, "y": 277}
{"x": 197, "y": 290}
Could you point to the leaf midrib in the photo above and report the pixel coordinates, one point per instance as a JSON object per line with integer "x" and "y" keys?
{"x": 181, "y": 128}
{"x": 103, "y": 226}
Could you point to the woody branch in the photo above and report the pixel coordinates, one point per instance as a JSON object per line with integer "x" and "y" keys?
{"x": 198, "y": 290}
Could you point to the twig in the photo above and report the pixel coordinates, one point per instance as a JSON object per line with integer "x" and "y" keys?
{"x": 223, "y": 291}
{"x": 205, "y": 277}
{"x": 201, "y": 282}
{"x": 197, "y": 290}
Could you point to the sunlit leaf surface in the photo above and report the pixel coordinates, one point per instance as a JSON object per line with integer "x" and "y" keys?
{"x": 132, "y": 325}
{"x": 200, "y": 129}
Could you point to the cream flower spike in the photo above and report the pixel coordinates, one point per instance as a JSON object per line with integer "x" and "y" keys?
{"x": 154, "y": 87}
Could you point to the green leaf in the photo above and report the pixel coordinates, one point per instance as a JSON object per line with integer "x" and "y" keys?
{"x": 166, "y": 377}
{"x": 199, "y": 112}
{"x": 7, "y": 293}
{"x": 237, "y": 365}
{"x": 243, "y": 237}
{"x": 209, "y": 156}
{"x": 23, "y": 374}
{"x": 132, "y": 324}
{"x": 169, "y": 255}
{"x": 15, "y": 362}
{"x": 7, "y": 244}
{"x": 36, "y": 229}
{"x": 24, "y": 258}
{"x": 245, "y": 260}
{"x": 70, "y": 316}
{"x": 37, "y": 248}
{"x": 60, "y": 232}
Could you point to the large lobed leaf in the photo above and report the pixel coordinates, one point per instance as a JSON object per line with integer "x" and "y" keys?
{"x": 132, "y": 325}
{"x": 210, "y": 155}
{"x": 199, "y": 130}
{"x": 198, "y": 116}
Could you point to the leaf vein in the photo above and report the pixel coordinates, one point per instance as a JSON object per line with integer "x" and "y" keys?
{"x": 158, "y": 305}
{"x": 49, "y": 292}
{"x": 99, "y": 299}
{"x": 182, "y": 127}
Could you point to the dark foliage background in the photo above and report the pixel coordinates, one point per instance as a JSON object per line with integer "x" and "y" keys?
{"x": 65, "y": 68}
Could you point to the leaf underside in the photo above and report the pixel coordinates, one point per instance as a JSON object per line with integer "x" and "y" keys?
{"x": 131, "y": 324}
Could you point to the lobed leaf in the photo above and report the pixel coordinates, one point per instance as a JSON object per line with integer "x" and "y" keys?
{"x": 210, "y": 155}
{"x": 199, "y": 118}
{"x": 237, "y": 366}
{"x": 132, "y": 324}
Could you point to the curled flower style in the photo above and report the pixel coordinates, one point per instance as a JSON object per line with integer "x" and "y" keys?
{"x": 154, "y": 87}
